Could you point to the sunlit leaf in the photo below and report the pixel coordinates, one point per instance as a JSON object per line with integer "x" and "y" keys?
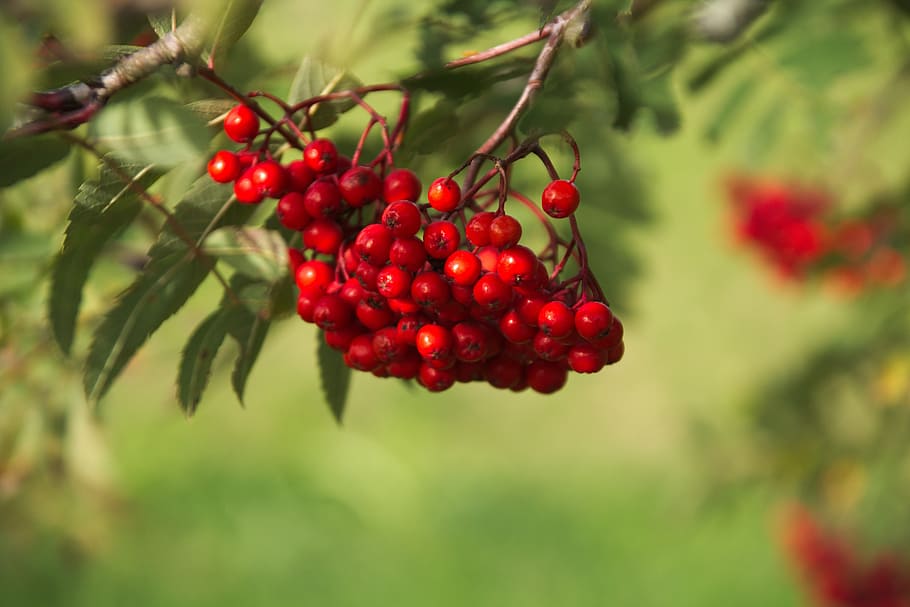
{"x": 151, "y": 130}
{"x": 227, "y": 21}
{"x": 315, "y": 78}
{"x": 335, "y": 378}
{"x": 162, "y": 22}
{"x": 173, "y": 273}
{"x": 256, "y": 252}
{"x": 100, "y": 211}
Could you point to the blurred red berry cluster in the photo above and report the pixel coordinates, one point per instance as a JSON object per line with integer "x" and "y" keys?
{"x": 836, "y": 574}
{"x": 798, "y": 233}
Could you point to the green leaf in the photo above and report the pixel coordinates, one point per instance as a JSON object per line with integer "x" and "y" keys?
{"x": 23, "y": 257}
{"x": 196, "y": 359}
{"x": 17, "y": 69}
{"x": 163, "y": 22}
{"x": 818, "y": 59}
{"x": 210, "y": 109}
{"x": 314, "y": 78}
{"x": 249, "y": 330}
{"x": 728, "y": 110}
{"x": 24, "y": 157}
{"x": 227, "y": 21}
{"x": 100, "y": 211}
{"x": 335, "y": 378}
{"x": 173, "y": 273}
{"x": 766, "y": 130}
{"x": 256, "y": 252}
{"x": 429, "y": 130}
{"x": 151, "y": 130}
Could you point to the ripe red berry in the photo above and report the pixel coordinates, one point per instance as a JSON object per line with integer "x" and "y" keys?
{"x": 332, "y": 313}
{"x": 434, "y": 342}
{"x": 489, "y": 257}
{"x": 430, "y": 290}
{"x": 477, "y": 230}
{"x": 556, "y": 319}
{"x": 593, "y": 320}
{"x": 352, "y": 291}
{"x": 373, "y": 243}
{"x": 470, "y": 341}
{"x": 463, "y": 268}
{"x": 241, "y": 124}
{"x": 560, "y": 199}
{"x": 269, "y": 177}
{"x": 367, "y": 274}
{"x": 492, "y": 293}
{"x": 393, "y": 282}
{"x": 292, "y": 212}
{"x": 517, "y": 265}
{"x": 246, "y": 191}
{"x": 295, "y": 258}
{"x": 403, "y": 306}
{"x": 321, "y": 156}
{"x": 503, "y": 371}
{"x": 306, "y": 304}
{"x": 402, "y": 217}
{"x": 322, "y": 198}
{"x": 614, "y": 354}
{"x": 401, "y": 184}
{"x": 299, "y": 176}
{"x": 548, "y": 347}
{"x": 435, "y": 380}
{"x": 406, "y": 366}
{"x": 408, "y": 253}
{"x": 441, "y": 239}
{"x": 360, "y": 354}
{"x": 514, "y": 329}
{"x": 546, "y": 377}
{"x": 314, "y": 275}
{"x": 444, "y": 194}
{"x": 407, "y": 329}
{"x": 323, "y": 236}
{"x": 586, "y": 358}
{"x": 341, "y": 339}
{"x": 373, "y": 312}
{"x": 386, "y": 345}
{"x": 505, "y": 231}
{"x": 224, "y": 166}
{"x": 359, "y": 185}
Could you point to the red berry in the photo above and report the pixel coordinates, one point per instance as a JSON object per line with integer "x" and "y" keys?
{"x": 386, "y": 345}
{"x": 435, "y": 380}
{"x": 321, "y": 156}
{"x": 401, "y": 184}
{"x": 560, "y": 199}
{"x": 463, "y": 268}
{"x": 323, "y": 236}
{"x": 529, "y": 308}
{"x": 517, "y": 265}
{"x": 593, "y": 320}
{"x": 586, "y": 358}
{"x": 295, "y": 258}
{"x": 403, "y": 306}
{"x": 314, "y": 275}
{"x": 373, "y": 312}
{"x": 492, "y": 293}
{"x": 299, "y": 176}
{"x": 505, "y": 231}
{"x": 444, "y": 194}
{"x": 374, "y": 243}
{"x": 470, "y": 341}
{"x": 503, "y": 371}
{"x": 406, "y": 366}
{"x": 393, "y": 282}
{"x": 359, "y": 185}
{"x": 341, "y": 339}
{"x": 548, "y": 347}
{"x": 241, "y": 124}
{"x": 360, "y": 354}
{"x": 246, "y": 191}
{"x": 556, "y": 319}
{"x": 269, "y": 177}
{"x": 322, "y": 198}
{"x": 332, "y": 313}
{"x": 407, "y": 329}
{"x": 367, "y": 274}
{"x": 352, "y": 291}
{"x": 430, "y": 290}
{"x": 441, "y": 239}
{"x": 292, "y": 212}
{"x": 434, "y": 342}
{"x": 224, "y": 166}
{"x": 615, "y": 353}
{"x": 546, "y": 377}
{"x": 402, "y": 217}
{"x": 613, "y": 336}
{"x": 514, "y": 329}
{"x": 408, "y": 253}
{"x": 489, "y": 257}
{"x": 477, "y": 230}
{"x": 306, "y": 304}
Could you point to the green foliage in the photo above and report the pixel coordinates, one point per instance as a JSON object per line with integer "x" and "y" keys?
{"x": 226, "y": 21}
{"x": 197, "y": 357}
{"x": 175, "y": 269}
{"x": 25, "y": 157}
{"x": 101, "y": 210}
{"x": 315, "y": 78}
{"x": 335, "y": 378}
{"x": 254, "y": 252}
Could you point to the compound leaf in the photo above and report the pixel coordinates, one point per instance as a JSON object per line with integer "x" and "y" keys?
{"x": 100, "y": 211}
{"x": 315, "y": 78}
{"x": 196, "y": 359}
{"x": 335, "y": 378}
{"x": 256, "y": 252}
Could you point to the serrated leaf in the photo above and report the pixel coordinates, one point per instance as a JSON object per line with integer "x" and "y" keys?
{"x": 818, "y": 59}
{"x": 100, "y": 211}
{"x": 731, "y": 105}
{"x": 334, "y": 377}
{"x": 315, "y": 78}
{"x": 151, "y": 130}
{"x": 209, "y": 109}
{"x": 227, "y": 21}
{"x": 196, "y": 359}
{"x": 256, "y": 252}
{"x": 249, "y": 330}
{"x": 173, "y": 273}
{"x": 23, "y": 157}
{"x": 163, "y": 22}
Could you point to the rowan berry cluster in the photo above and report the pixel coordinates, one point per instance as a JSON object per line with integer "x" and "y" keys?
{"x": 794, "y": 229}
{"x": 441, "y": 291}
{"x": 837, "y": 576}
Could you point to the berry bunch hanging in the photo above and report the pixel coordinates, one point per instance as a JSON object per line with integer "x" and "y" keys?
{"x": 441, "y": 291}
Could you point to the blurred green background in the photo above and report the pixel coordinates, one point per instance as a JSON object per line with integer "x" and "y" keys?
{"x": 642, "y": 485}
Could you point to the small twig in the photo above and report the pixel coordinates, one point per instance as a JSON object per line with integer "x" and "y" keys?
{"x": 502, "y": 49}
